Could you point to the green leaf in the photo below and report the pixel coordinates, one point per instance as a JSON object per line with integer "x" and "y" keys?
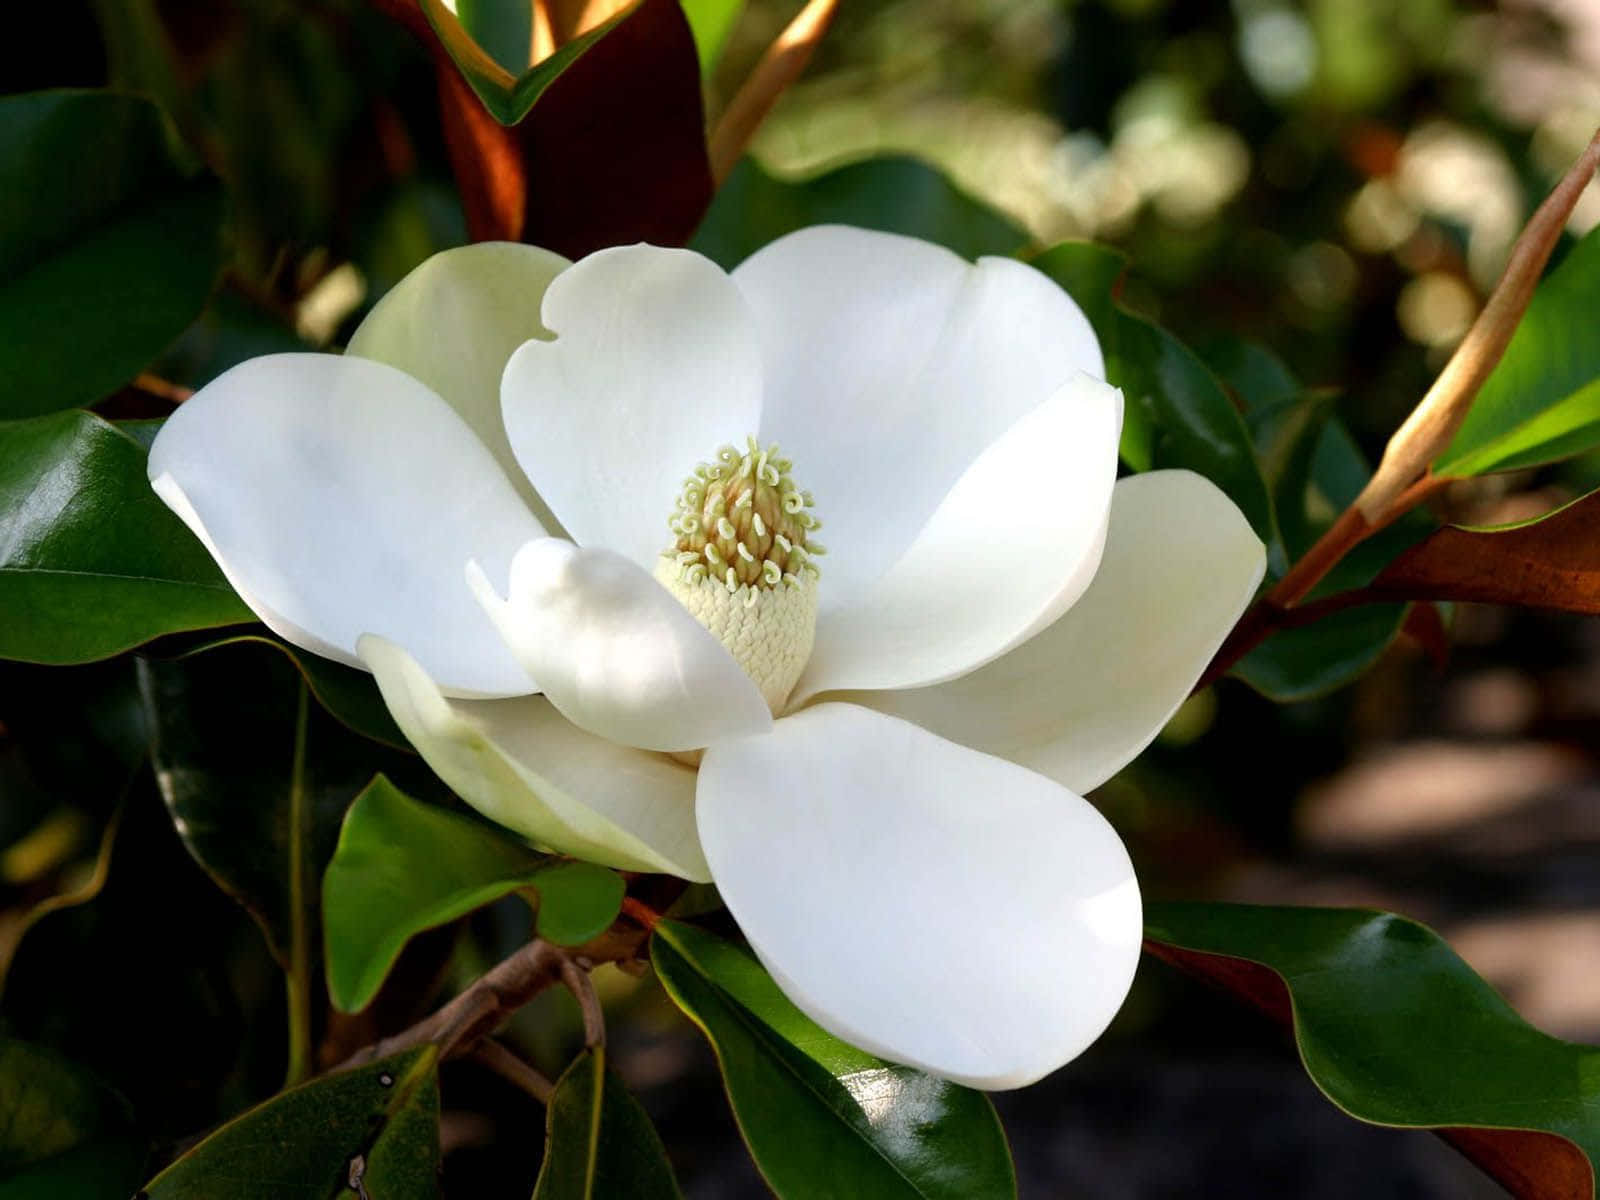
{"x": 896, "y": 195}
{"x": 599, "y": 1142}
{"x": 349, "y": 694}
{"x": 91, "y": 561}
{"x": 106, "y": 251}
{"x": 402, "y": 866}
{"x": 820, "y": 1117}
{"x": 257, "y": 780}
{"x": 578, "y": 901}
{"x": 372, "y": 1131}
{"x": 1176, "y": 413}
{"x": 503, "y": 28}
{"x": 1542, "y": 402}
{"x": 508, "y": 96}
{"x": 62, "y": 1131}
{"x": 1299, "y": 664}
{"x": 711, "y": 21}
{"x": 1397, "y": 1030}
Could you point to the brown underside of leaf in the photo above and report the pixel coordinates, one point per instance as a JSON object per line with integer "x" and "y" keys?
{"x": 1528, "y": 1163}
{"x": 613, "y": 152}
{"x": 1551, "y": 563}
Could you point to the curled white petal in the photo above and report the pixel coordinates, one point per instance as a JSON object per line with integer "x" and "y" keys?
{"x": 930, "y": 904}
{"x": 1079, "y": 701}
{"x": 523, "y": 765}
{"x": 653, "y": 367}
{"x": 340, "y": 497}
{"x": 891, "y": 363}
{"x": 1012, "y": 546}
{"x": 615, "y": 653}
{"x": 453, "y": 323}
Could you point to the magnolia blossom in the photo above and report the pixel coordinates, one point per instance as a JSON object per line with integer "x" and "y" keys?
{"x": 569, "y": 517}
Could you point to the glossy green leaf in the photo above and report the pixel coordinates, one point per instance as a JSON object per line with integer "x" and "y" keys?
{"x": 1176, "y": 413}
{"x": 349, "y": 694}
{"x": 711, "y": 21}
{"x": 372, "y": 1131}
{"x": 503, "y": 28}
{"x": 106, "y": 251}
{"x": 598, "y": 1141}
{"x": 1300, "y": 664}
{"x": 1258, "y": 377}
{"x": 257, "y": 780}
{"x": 1542, "y": 402}
{"x": 578, "y": 901}
{"x": 1396, "y": 1030}
{"x": 91, "y": 561}
{"x": 62, "y": 1132}
{"x": 896, "y": 195}
{"x": 821, "y": 1118}
{"x": 506, "y": 94}
{"x": 402, "y": 866}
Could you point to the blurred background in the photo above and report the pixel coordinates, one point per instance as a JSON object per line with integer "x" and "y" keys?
{"x": 1337, "y": 180}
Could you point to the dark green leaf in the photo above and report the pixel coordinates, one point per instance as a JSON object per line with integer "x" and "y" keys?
{"x": 503, "y": 28}
{"x": 91, "y": 561}
{"x": 1317, "y": 470}
{"x": 350, "y": 695}
{"x": 402, "y": 866}
{"x": 712, "y": 21}
{"x": 227, "y": 734}
{"x": 896, "y": 195}
{"x": 821, "y": 1118}
{"x": 507, "y": 95}
{"x": 1542, "y": 402}
{"x": 1397, "y": 1030}
{"x": 598, "y": 1141}
{"x": 106, "y": 252}
{"x": 1176, "y": 413}
{"x": 1258, "y": 377}
{"x": 1299, "y": 664}
{"x": 62, "y": 1132}
{"x": 373, "y": 1131}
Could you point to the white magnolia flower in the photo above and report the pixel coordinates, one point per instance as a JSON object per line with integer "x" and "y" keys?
{"x": 589, "y": 596}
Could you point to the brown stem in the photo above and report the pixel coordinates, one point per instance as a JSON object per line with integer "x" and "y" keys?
{"x": 576, "y": 978}
{"x": 779, "y": 67}
{"x": 162, "y": 389}
{"x": 1427, "y": 432}
{"x": 512, "y": 1068}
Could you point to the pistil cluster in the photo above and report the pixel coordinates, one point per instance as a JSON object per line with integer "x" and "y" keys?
{"x": 741, "y": 562}
{"x": 742, "y": 522}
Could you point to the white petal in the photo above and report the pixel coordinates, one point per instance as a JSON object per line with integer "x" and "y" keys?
{"x": 341, "y": 497}
{"x": 927, "y": 903}
{"x": 890, "y": 364}
{"x": 523, "y": 765}
{"x": 616, "y": 653}
{"x": 1083, "y": 698}
{"x": 1012, "y": 546}
{"x": 453, "y": 323}
{"x": 654, "y": 366}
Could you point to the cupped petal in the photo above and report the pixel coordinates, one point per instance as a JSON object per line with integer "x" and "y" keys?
{"x": 341, "y": 497}
{"x": 925, "y": 902}
{"x": 1079, "y": 701}
{"x": 653, "y": 367}
{"x": 616, "y": 653}
{"x": 891, "y": 363}
{"x": 523, "y": 765}
{"x": 453, "y": 323}
{"x": 1012, "y": 546}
